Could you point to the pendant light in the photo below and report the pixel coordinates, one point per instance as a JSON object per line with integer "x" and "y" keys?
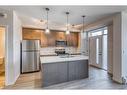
{"x": 67, "y": 31}
{"x": 83, "y": 22}
{"x": 47, "y": 31}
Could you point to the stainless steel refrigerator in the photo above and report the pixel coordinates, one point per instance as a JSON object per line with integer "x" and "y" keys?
{"x": 30, "y": 56}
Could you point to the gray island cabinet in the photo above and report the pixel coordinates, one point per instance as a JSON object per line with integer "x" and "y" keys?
{"x": 59, "y": 72}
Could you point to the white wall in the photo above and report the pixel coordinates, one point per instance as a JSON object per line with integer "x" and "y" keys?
{"x": 110, "y": 49}
{"x": 120, "y": 47}
{"x": 124, "y": 45}
{"x": 99, "y": 23}
{"x": 11, "y": 67}
{"x": 17, "y": 36}
{"x": 8, "y": 23}
{"x": 117, "y": 48}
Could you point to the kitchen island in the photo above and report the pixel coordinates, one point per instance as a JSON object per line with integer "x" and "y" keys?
{"x": 58, "y": 69}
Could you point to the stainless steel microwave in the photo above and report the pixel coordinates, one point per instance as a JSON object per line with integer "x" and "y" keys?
{"x": 61, "y": 43}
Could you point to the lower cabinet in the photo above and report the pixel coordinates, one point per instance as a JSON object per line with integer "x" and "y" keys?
{"x": 54, "y": 73}
{"x": 78, "y": 70}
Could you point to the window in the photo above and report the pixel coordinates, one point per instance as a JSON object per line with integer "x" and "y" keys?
{"x": 105, "y": 31}
{"x": 96, "y": 33}
{"x": 97, "y": 51}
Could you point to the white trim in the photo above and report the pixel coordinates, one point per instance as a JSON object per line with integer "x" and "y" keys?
{"x": 117, "y": 79}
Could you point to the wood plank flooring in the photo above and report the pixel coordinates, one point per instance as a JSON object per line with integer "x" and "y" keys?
{"x": 98, "y": 79}
{"x": 27, "y": 81}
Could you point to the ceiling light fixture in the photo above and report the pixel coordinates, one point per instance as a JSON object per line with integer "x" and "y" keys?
{"x": 47, "y": 31}
{"x": 83, "y": 22}
{"x": 67, "y": 31}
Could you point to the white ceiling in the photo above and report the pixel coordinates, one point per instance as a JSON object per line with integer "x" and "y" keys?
{"x": 31, "y": 15}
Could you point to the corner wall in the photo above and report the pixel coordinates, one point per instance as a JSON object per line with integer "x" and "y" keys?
{"x": 11, "y": 43}
{"x": 120, "y": 48}
{"x": 17, "y": 36}
{"x": 8, "y": 24}
{"x": 117, "y": 61}
{"x": 110, "y": 49}
{"x": 124, "y": 46}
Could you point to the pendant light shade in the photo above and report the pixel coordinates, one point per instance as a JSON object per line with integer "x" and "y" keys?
{"x": 67, "y": 31}
{"x": 47, "y": 31}
{"x": 83, "y": 22}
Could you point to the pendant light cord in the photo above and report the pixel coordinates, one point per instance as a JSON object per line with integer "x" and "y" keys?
{"x": 67, "y": 13}
{"x": 47, "y": 9}
{"x": 83, "y": 22}
{"x": 67, "y": 21}
{"x": 47, "y": 19}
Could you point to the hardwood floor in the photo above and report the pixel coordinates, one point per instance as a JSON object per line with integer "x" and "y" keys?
{"x": 98, "y": 79}
{"x": 27, "y": 81}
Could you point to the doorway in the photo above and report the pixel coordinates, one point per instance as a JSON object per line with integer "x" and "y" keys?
{"x": 2, "y": 57}
{"x": 96, "y": 51}
{"x": 98, "y": 48}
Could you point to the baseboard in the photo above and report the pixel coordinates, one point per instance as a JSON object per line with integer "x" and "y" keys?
{"x": 94, "y": 66}
{"x": 16, "y": 78}
{"x": 117, "y": 79}
{"x": 12, "y": 82}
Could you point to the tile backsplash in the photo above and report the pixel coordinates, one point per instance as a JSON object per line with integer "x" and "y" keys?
{"x": 51, "y": 50}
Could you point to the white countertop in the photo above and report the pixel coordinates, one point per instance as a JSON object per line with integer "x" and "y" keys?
{"x": 53, "y": 59}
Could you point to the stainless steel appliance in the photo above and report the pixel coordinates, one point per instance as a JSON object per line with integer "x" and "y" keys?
{"x": 60, "y": 47}
{"x": 60, "y": 51}
{"x": 30, "y": 56}
{"x": 61, "y": 43}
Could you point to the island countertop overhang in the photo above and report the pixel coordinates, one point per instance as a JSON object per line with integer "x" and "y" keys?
{"x": 53, "y": 59}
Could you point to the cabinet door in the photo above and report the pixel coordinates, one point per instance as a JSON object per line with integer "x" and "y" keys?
{"x": 50, "y": 74}
{"x": 62, "y": 72}
{"x": 44, "y": 40}
{"x": 69, "y": 40}
{"x": 54, "y": 73}
{"x": 53, "y": 36}
{"x": 31, "y": 33}
{"x": 74, "y": 39}
{"x": 60, "y": 36}
{"x": 73, "y": 70}
{"x": 78, "y": 70}
{"x": 83, "y": 69}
